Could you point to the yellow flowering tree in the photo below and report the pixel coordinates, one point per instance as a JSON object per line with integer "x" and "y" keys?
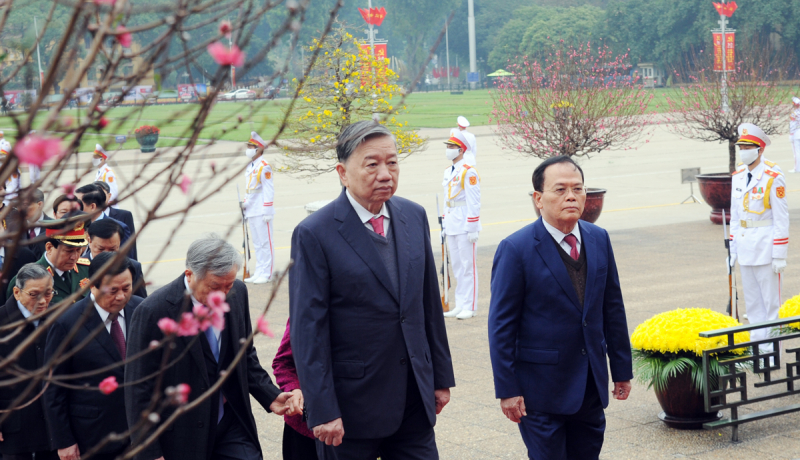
{"x": 669, "y": 343}
{"x": 346, "y": 84}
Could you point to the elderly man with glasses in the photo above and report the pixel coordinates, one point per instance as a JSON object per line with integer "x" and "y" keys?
{"x": 556, "y": 314}
{"x": 25, "y": 432}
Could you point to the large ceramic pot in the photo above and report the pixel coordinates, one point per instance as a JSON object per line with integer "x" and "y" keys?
{"x": 147, "y": 142}
{"x": 716, "y": 190}
{"x": 593, "y": 207}
{"x": 683, "y": 405}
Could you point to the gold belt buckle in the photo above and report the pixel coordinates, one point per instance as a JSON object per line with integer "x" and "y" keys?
{"x": 744, "y": 223}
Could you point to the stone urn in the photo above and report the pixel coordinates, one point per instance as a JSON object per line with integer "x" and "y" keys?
{"x": 593, "y": 206}
{"x": 147, "y": 142}
{"x": 682, "y": 403}
{"x": 716, "y": 191}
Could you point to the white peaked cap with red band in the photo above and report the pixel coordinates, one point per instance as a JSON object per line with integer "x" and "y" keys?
{"x": 98, "y": 149}
{"x": 463, "y": 122}
{"x": 750, "y": 134}
{"x": 458, "y": 139}
{"x": 795, "y": 99}
{"x": 255, "y": 139}
{"x": 5, "y": 147}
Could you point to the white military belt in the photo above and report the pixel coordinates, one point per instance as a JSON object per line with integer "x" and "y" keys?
{"x": 254, "y": 190}
{"x": 455, "y": 204}
{"x": 755, "y": 223}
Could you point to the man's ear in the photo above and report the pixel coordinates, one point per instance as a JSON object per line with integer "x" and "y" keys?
{"x": 342, "y": 170}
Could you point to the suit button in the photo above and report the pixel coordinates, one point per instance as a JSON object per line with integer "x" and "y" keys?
{"x": 200, "y": 424}
{"x": 403, "y": 361}
{"x": 402, "y": 319}
{"x": 585, "y": 324}
{"x": 583, "y": 352}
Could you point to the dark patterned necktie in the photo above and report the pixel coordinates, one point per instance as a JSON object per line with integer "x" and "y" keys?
{"x": 117, "y": 336}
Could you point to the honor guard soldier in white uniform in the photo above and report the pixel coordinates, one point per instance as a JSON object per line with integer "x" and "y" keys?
{"x": 104, "y": 172}
{"x": 759, "y": 229}
{"x": 462, "y": 224}
{"x": 794, "y": 133}
{"x": 472, "y": 147}
{"x": 258, "y": 208}
{"x": 12, "y": 183}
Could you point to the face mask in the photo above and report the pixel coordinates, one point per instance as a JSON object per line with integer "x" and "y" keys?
{"x": 748, "y": 156}
{"x": 452, "y": 154}
{"x": 250, "y": 153}
{"x": 97, "y": 161}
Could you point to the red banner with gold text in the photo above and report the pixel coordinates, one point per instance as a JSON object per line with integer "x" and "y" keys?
{"x": 730, "y": 52}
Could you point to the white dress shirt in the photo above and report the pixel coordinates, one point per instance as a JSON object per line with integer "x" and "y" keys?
{"x": 559, "y": 236}
{"x": 60, "y": 273}
{"x": 106, "y": 318}
{"x": 26, "y": 313}
{"x": 195, "y": 302}
{"x": 365, "y": 215}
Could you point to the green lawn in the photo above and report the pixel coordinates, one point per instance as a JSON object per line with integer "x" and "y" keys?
{"x": 425, "y": 110}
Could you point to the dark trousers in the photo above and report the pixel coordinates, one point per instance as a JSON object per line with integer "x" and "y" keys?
{"x": 560, "y": 437}
{"x": 231, "y": 441}
{"x": 44, "y": 455}
{"x": 296, "y": 446}
{"x": 414, "y": 440}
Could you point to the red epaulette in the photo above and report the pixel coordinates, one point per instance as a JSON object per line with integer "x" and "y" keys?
{"x": 737, "y": 172}
{"x": 772, "y": 173}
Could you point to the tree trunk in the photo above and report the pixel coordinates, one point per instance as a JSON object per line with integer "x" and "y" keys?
{"x": 731, "y": 155}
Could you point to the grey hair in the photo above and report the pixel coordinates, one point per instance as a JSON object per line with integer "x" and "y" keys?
{"x": 30, "y": 272}
{"x": 213, "y": 255}
{"x": 355, "y": 134}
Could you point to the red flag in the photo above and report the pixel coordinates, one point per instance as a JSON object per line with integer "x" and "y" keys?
{"x": 373, "y": 16}
{"x": 726, "y": 9}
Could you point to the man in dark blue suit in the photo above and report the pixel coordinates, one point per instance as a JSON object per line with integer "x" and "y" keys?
{"x": 556, "y": 312}
{"x": 81, "y": 418}
{"x": 367, "y": 330}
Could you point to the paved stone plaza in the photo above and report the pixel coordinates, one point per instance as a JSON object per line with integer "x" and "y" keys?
{"x": 669, "y": 256}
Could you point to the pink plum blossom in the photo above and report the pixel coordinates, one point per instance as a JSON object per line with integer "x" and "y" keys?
{"x": 224, "y": 56}
{"x": 168, "y": 326}
{"x": 108, "y": 385}
{"x": 185, "y": 183}
{"x": 36, "y": 150}
{"x": 188, "y": 326}
{"x": 183, "y": 393}
{"x": 263, "y": 327}
{"x": 225, "y": 28}
{"x": 69, "y": 190}
{"x": 124, "y": 37}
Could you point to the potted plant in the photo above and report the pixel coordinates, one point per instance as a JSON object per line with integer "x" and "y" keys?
{"x": 147, "y": 136}
{"x": 571, "y": 100}
{"x": 790, "y": 308}
{"x": 668, "y": 356}
{"x": 707, "y": 105}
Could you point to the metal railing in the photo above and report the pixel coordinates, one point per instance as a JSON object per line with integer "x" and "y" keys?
{"x": 722, "y": 394}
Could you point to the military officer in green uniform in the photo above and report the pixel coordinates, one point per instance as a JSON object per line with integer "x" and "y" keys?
{"x": 62, "y": 259}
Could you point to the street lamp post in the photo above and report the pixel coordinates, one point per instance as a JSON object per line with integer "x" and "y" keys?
{"x": 471, "y": 31}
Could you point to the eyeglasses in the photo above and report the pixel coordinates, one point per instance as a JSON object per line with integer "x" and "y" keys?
{"x": 561, "y": 191}
{"x": 39, "y": 295}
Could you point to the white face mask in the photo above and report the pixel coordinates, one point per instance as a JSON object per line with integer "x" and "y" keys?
{"x": 748, "y": 156}
{"x": 250, "y": 153}
{"x": 452, "y": 154}
{"x": 96, "y": 161}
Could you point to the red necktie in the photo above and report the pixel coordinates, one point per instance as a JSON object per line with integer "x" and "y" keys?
{"x": 32, "y": 234}
{"x": 377, "y": 225}
{"x": 117, "y": 336}
{"x": 572, "y": 241}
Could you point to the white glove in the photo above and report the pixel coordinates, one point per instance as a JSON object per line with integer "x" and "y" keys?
{"x": 732, "y": 260}
{"x": 267, "y": 219}
{"x": 473, "y": 237}
{"x": 778, "y": 265}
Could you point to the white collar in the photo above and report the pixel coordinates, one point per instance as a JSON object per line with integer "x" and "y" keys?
{"x": 459, "y": 164}
{"x": 558, "y": 235}
{"x": 362, "y": 212}
{"x": 189, "y": 290}
{"x": 103, "y": 313}
{"x": 25, "y": 312}
{"x": 58, "y": 272}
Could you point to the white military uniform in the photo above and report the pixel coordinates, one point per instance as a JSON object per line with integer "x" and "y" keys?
{"x": 759, "y": 234}
{"x": 462, "y": 211}
{"x": 794, "y": 134}
{"x": 472, "y": 146}
{"x": 106, "y": 174}
{"x": 258, "y": 203}
{"x": 11, "y": 186}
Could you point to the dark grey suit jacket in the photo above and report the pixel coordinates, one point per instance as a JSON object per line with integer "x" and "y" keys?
{"x": 187, "y": 437}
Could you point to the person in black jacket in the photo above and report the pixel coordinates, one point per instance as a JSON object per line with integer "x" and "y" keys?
{"x": 25, "y": 432}
{"x": 122, "y": 215}
{"x": 34, "y": 214}
{"x": 105, "y": 236}
{"x": 12, "y": 265}
{"x": 80, "y": 419}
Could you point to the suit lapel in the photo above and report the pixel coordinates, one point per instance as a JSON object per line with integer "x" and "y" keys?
{"x": 401, "y": 240}
{"x": 354, "y": 232}
{"x": 548, "y": 252}
{"x": 588, "y": 245}
{"x": 93, "y": 322}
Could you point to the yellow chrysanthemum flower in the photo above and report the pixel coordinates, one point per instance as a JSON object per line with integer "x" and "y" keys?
{"x": 791, "y": 308}
{"x": 678, "y": 330}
